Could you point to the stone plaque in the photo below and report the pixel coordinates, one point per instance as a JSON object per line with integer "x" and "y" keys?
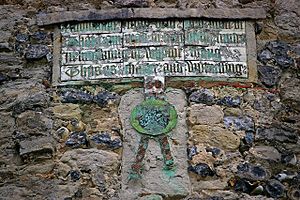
{"x": 218, "y": 49}
{"x": 156, "y": 177}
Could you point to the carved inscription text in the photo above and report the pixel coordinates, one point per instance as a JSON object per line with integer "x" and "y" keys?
{"x": 138, "y": 48}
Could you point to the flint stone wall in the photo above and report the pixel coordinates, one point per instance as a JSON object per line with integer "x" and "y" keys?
{"x": 67, "y": 142}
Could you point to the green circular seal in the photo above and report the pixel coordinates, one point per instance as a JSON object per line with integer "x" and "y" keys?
{"x": 153, "y": 117}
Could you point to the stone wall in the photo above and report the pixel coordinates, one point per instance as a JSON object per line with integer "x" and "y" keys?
{"x": 66, "y": 142}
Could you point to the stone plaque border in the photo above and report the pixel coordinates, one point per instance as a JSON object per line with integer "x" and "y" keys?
{"x": 148, "y": 13}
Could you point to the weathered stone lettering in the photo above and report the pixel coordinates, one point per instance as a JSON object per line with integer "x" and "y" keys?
{"x": 138, "y": 48}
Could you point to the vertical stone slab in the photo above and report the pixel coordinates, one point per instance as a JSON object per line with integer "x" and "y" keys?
{"x": 155, "y": 180}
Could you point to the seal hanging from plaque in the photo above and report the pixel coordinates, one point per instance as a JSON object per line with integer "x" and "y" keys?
{"x": 154, "y": 118}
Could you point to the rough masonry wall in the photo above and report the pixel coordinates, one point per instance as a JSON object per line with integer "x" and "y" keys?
{"x": 66, "y": 143}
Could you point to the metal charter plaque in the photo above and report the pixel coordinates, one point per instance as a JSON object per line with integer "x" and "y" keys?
{"x": 89, "y": 51}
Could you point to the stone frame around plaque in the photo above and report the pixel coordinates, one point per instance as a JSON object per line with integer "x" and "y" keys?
{"x": 250, "y": 51}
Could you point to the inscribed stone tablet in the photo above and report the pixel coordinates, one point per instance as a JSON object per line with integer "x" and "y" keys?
{"x": 90, "y": 51}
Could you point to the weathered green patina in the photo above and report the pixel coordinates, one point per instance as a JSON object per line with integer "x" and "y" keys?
{"x": 91, "y": 51}
{"x": 154, "y": 117}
